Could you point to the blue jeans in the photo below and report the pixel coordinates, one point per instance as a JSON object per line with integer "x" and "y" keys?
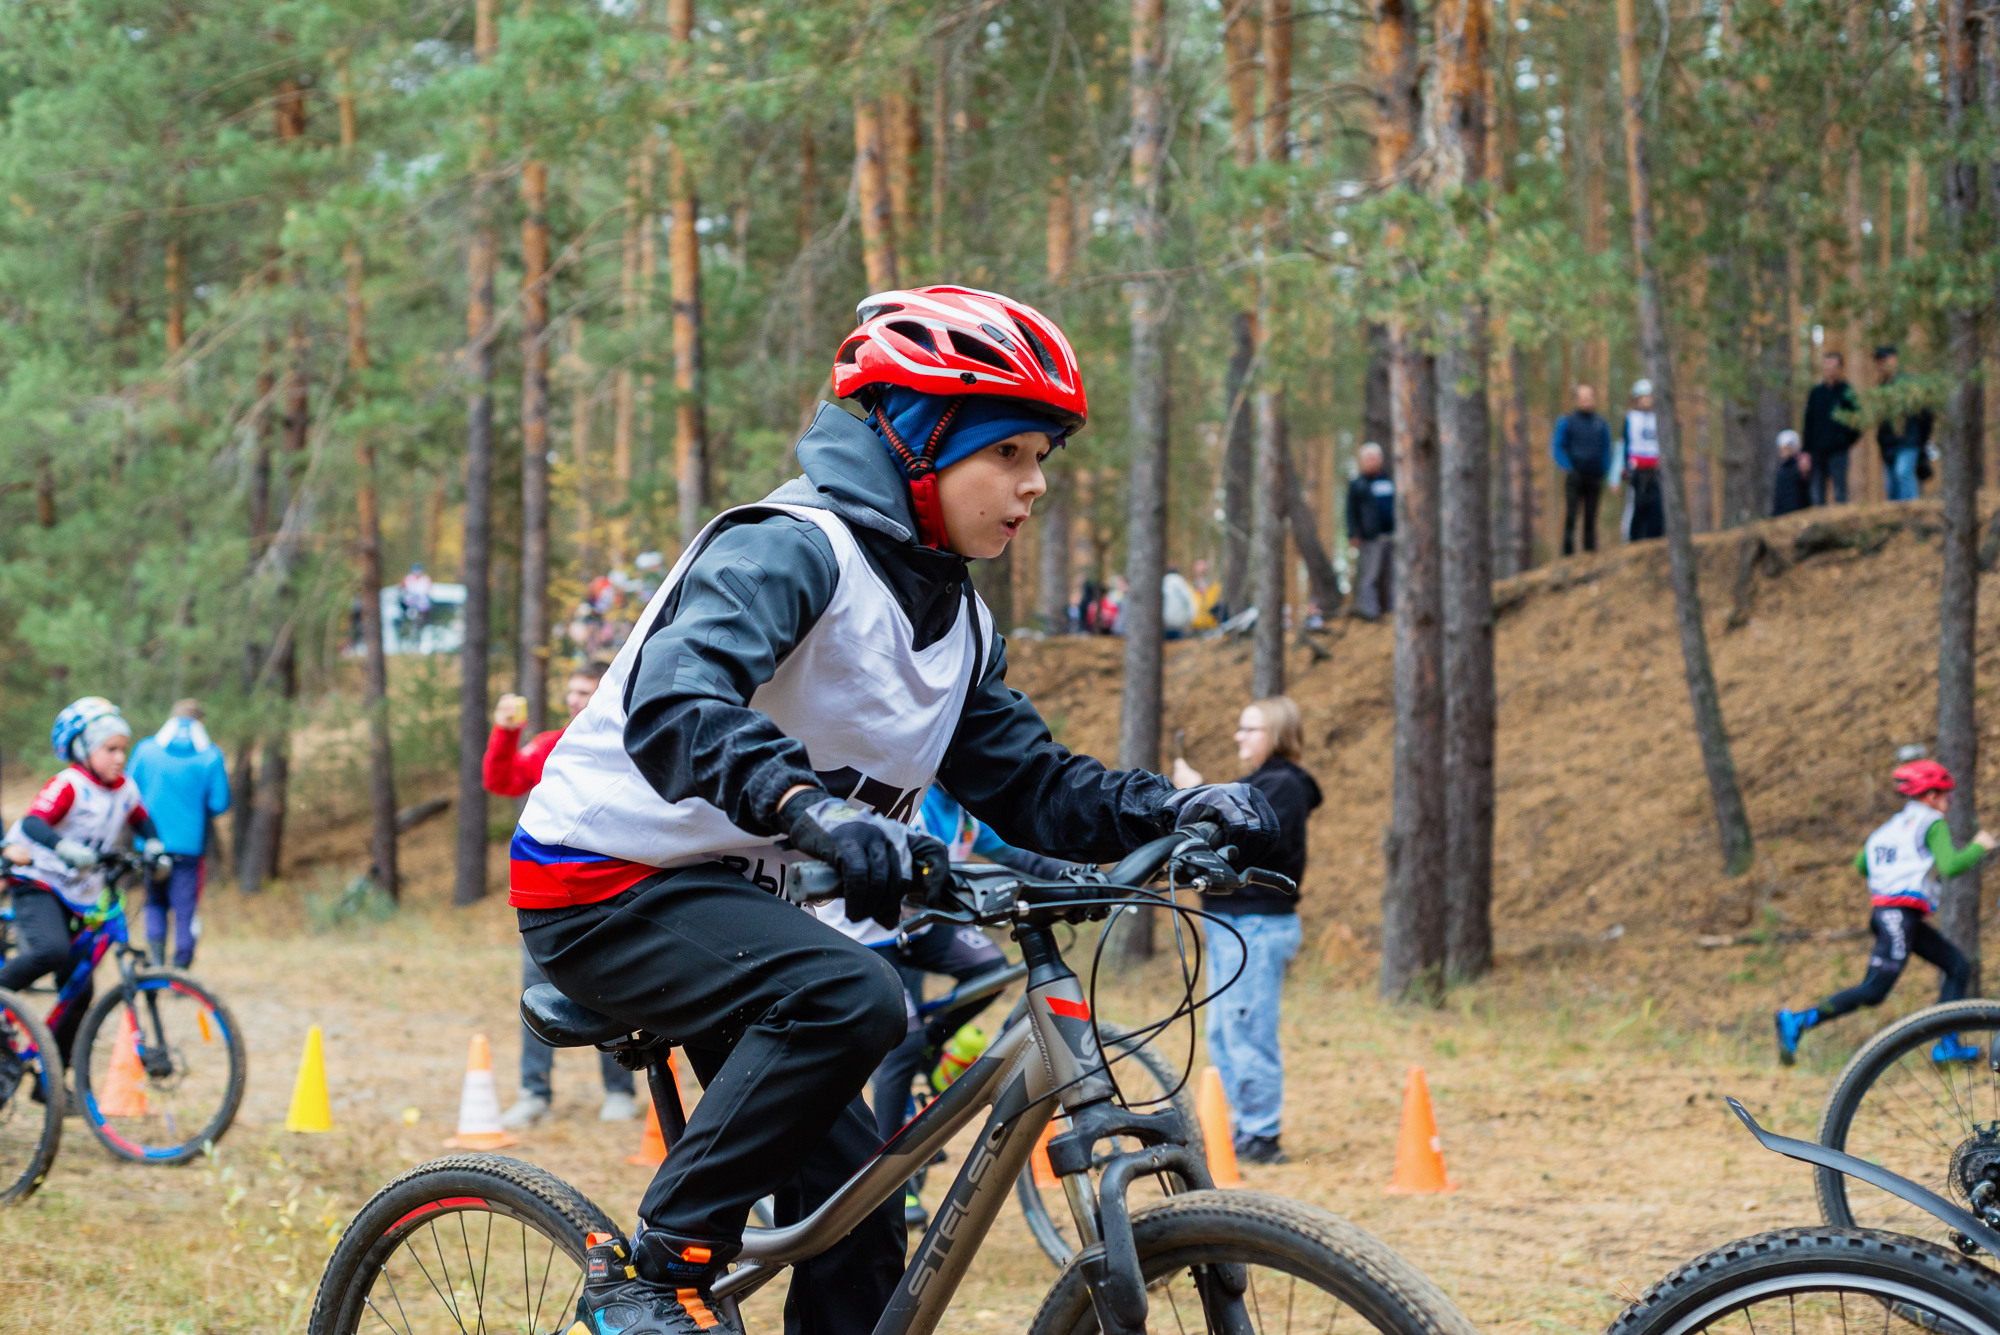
{"x": 1243, "y": 1022}
{"x": 1903, "y": 475}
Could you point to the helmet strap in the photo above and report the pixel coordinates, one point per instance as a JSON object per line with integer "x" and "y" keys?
{"x": 920, "y": 472}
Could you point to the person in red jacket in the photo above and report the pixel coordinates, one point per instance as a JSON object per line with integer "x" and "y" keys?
{"x": 510, "y": 770}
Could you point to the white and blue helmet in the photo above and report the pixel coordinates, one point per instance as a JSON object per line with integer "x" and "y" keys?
{"x": 85, "y": 725}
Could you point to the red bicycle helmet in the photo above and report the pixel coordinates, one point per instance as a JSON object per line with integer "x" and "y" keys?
{"x": 1922, "y": 776}
{"x": 958, "y": 341}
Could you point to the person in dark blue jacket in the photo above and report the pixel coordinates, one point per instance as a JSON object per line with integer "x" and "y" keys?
{"x": 1582, "y": 449}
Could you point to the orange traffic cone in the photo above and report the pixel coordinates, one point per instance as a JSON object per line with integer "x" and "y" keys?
{"x": 652, "y": 1145}
{"x": 1045, "y": 1172}
{"x": 1211, "y": 1105}
{"x": 125, "y": 1087}
{"x": 1419, "y": 1152}
{"x": 479, "y": 1104}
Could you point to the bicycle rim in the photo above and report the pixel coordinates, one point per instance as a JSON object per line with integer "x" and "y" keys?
{"x": 1827, "y": 1303}
{"x": 471, "y": 1263}
{"x": 166, "y": 1109}
{"x": 31, "y": 1111}
{"x": 1935, "y": 1123}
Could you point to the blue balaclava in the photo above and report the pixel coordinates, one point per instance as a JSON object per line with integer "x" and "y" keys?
{"x": 928, "y": 433}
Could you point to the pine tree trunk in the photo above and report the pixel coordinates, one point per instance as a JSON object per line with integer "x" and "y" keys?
{"x": 469, "y": 884}
{"x": 901, "y": 139}
{"x": 684, "y": 258}
{"x": 1377, "y": 428}
{"x": 1413, "y": 916}
{"x": 625, "y": 384}
{"x": 1053, "y": 557}
{"x": 1239, "y": 455}
{"x": 1731, "y": 819}
{"x": 1145, "y": 559}
{"x": 1304, "y": 524}
{"x": 382, "y": 850}
{"x": 1267, "y": 525}
{"x": 941, "y": 152}
{"x": 1959, "y": 476}
{"x": 533, "y": 668}
{"x": 878, "y": 229}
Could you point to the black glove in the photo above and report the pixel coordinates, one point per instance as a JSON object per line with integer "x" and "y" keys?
{"x": 1243, "y": 812}
{"x": 880, "y": 861}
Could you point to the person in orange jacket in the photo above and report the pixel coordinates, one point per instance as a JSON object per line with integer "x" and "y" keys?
{"x": 510, "y": 770}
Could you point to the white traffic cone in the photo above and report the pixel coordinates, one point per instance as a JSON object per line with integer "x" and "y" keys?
{"x": 479, "y": 1104}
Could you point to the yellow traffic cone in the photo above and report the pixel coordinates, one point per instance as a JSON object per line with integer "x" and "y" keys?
{"x": 125, "y": 1085}
{"x": 479, "y": 1103}
{"x": 309, "y": 1111}
{"x": 1211, "y": 1105}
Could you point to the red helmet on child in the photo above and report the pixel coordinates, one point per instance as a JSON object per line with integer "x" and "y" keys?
{"x": 1922, "y": 776}
{"x": 960, "y": 340}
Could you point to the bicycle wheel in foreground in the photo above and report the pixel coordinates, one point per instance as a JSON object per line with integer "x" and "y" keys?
{"x": 1302, "y": 1270}
{"x": 31, "y": 1100}
{"x": 1145, "y": 1075}
{"x": 1821, "y": 1281}
{"x": 1935, "y": 1123}
{"x": 474, "y": 1242}
{"x": 182, "y": 1091}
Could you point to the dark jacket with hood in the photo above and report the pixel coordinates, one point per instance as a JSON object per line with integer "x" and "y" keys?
{"x": 1294, "y": 795}
{"x": 757, "y": 588}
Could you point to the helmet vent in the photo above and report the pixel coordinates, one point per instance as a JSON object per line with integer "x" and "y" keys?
{"x": 1048, "y": 363}
{"x": 967, "y": 346}
{"x": 915, "y": 332}
{"x": 847, "y": 351}
{"x": 867, "y": 313}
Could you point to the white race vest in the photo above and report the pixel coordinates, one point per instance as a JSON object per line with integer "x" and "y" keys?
{"x": 1901, "y": 871}
{"x": 98, "y": 816}
{"x": 875, "y": 714}
{"x": 1642, "y": 440}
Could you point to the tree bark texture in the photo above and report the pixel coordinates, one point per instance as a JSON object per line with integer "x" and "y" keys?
{"x": 1732, "y": 820}
{"x": 1267, "y": 525}
{"x": 878, "y": 227}
{"x": 1963, "y": 446}
{"x": 684, "y": 260}
{"x": 1053, "y": 558}
{"x": 1413, "y": 916}
{"x": 1145, "y": 560}
{"x": 382, "y": 850}
{"x": 1304, "y": 526}
{"x": 1239, "y": 454}
{"x": 533, "y": 668}
{"x": 469, "y": 882}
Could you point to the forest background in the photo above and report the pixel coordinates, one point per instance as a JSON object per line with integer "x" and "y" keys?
{"x": 293, "y": 296}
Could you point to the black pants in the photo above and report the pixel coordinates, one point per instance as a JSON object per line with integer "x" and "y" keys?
{"x": 782, "y": 1018}
{"x": 1581, "y": 493}
{"x": 1899, "y": 933}
{"x": 1649, "y": 518}
{"x": 43, "y": 929}
{"x": 1829, "y": 472}
{"x": 962, "y": 952}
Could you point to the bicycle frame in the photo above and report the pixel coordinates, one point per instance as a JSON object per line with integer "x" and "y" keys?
{"x": 1030, "y": 1071}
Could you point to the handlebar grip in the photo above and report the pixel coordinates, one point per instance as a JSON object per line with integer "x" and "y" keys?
{"x": 1207, "y": 831}
{"x": 808, "y": 883}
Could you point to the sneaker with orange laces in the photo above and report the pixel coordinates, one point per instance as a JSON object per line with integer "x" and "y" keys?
{"x": 616, "y": 1300}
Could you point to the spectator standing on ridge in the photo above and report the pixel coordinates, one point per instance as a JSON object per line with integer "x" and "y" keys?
{"x": 184, "y": 783}
{"x": 1243, "y": 1022}
{"x": 1371, "y": 528}
{"x": 1825, "y": 437}
{"x": 1581, "y": 447}
{"x": 1791, "y": 489}
{"x": 511, "y": 770}
{"x": 1638, "y": 460}
{"x": 1178, "y": 605}
{"x": 1904, "y": 467}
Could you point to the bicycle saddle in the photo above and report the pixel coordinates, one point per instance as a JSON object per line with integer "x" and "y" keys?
{"x": 562, "y": 1023}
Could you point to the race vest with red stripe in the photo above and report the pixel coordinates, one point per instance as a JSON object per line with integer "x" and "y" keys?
{"x": 1642, "y": 440}
{"x": 82, "y": 807}
{"x": 1902, "y": 873}
{"x": 874, "y": 712}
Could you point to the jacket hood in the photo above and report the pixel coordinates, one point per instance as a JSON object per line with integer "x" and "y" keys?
{"x": 1304, "y": 776}
{"x": 848, "y": 471}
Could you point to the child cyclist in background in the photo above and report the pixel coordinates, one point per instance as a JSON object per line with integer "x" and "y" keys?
{"x": 53, "y": 850}
{"x": 1906, "y": 861}
{"x": 811, "y": 666}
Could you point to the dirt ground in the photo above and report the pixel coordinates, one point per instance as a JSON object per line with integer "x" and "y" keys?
{"x": 1578, "y": 1089}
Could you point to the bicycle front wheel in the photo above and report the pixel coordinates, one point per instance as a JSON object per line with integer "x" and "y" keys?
{"x": 474, "y": 1242}
{"x": 160, "y": 1080}
{"x": 31, "y": 1100}
{"x": 1820, "y": 1281}
{"x": 1934, "y": 1122}
{"x": 1242, "y": 1261}
{"x": 1145, "y": 1077}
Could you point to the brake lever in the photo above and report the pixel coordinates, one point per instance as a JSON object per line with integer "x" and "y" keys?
{"x": 1271, "y": 880}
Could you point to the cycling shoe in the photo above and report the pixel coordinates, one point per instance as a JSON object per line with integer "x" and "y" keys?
{"x": 1949, "y": 1049}
{"x": 616, "y": 1301}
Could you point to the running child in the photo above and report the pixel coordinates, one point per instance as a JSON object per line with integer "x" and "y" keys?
{"x": 1906, "y": 862}
{"x": 52, "y": 852}
{"x": 812, "y": 664}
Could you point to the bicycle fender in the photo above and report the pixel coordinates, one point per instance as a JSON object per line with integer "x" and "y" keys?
{"x": 1923, "y": 1198}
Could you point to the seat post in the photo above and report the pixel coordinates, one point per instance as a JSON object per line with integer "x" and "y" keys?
{"x": 666, "y": 1096}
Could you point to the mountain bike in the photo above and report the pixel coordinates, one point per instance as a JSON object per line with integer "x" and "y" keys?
{"x": 1937, "y": 1123}
{"x": 1149, "y": 1077}
{"x": 482, "y": 1242}
{"x": 159, "y": 1063}
{"x": 1818, "y": 1281}
{"x": 31, "y": 1100}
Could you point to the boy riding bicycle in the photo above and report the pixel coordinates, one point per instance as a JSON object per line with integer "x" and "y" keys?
{"x": 1905, "y": 861}
{"x": 811, "y": 666}
{"x": 52, "y": 852}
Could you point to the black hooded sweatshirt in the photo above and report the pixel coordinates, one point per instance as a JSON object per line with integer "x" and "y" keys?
{"x": 757, "y": 588}
{"x": 1294, "y": 795}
